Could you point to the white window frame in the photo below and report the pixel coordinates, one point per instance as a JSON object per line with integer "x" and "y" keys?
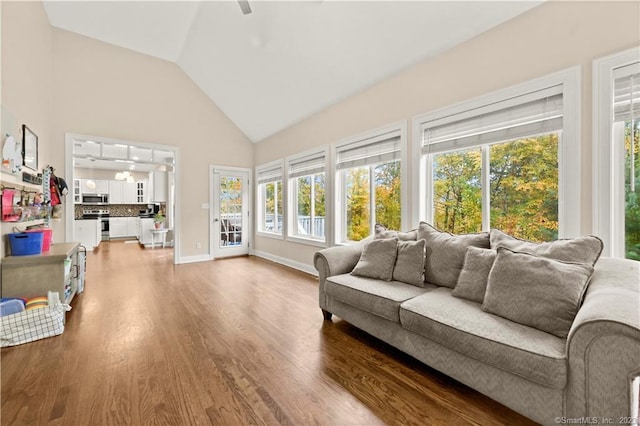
{"x": 569, "y": 197}
{"x": 260, "y": 201}
{"x": 608, "y": 159}
{"x": 293, "y": 202}
{"x": 340, "y": 214}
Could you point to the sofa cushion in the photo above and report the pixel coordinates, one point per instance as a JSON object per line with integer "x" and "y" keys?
{"x": 445, "y": 253}
{"x": 536, "y": 291}
{"x": 581, "y": 250}
{"x": 472, "y": 282}
{"x": 381, "y": 298}
{"x": 380, "y": 232}
{"x": 464, "y": 327}
{"x": 409, "y": 266}
{"x": 377, "y": 259}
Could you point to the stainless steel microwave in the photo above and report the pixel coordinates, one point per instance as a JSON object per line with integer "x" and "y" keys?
{"x": 95, "y": 199}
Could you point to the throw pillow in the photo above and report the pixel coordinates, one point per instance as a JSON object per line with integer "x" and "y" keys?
{"x": 409, "y": 266}
{"x": 536, "y": 291}
{"x": 377, "y": 259}
{"x": 380, "y": 232}
{"x": 445, "y": 253}
{"x": 581, "y": 250}
{"x": 472, "y": 282}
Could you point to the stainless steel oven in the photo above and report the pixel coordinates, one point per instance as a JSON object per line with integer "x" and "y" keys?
{"x": 105, "y": 227}
{"x": 95, "y": 199}
{"x": 103, "y": 216}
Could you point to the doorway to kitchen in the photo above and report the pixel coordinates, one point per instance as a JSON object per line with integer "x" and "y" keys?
{"x": 130, "y": 186}
{"x": 229, "y": 213}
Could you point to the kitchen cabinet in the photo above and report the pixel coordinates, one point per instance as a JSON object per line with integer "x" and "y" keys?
{"x": 122, "y": 227}
{"x": 117, "y": 227}
{"x": 129, "y": 193}
{"x": 158, "y": 187}
{"x": 116, "y": 192}
{"x": 60, "y": 270}
{"x": 88, "y": 232}
{"x": 77, "y": 192}
{"x": 145, "y": 225}
{"x": 132, "y": 227}
{"x": 101, "y": 187}
{"x": 142, "y": 195}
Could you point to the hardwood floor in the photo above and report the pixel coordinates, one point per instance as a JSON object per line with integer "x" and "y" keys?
{"x": 235, "y": 341}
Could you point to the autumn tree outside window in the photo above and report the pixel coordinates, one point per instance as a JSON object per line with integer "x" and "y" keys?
{"x": 497, "y": 166}
{"x": 307, "y": 186}
{"x": 270, "y": 198}
{"x": 369, "y": 178}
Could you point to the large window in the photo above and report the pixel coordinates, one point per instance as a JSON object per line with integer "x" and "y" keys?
{"x": 369, "y": 176}
{"x": 495, "y": 163}
{"x": 307, "y": 188}
{"x": 270, "y": 197}
{"x": 617, "y": 153}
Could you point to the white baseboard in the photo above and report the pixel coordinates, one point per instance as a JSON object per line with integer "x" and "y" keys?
{"x": 194, "y": 259}
{"x": 309, "y": 269}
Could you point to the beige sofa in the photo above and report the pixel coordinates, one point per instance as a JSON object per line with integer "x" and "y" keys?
{"x": 546, "y": 378}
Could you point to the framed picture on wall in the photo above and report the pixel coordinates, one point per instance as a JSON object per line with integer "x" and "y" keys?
{"x": 29, "y": 148}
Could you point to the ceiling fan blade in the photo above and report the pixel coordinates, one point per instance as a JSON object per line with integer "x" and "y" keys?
{"x": 244, "y": 5}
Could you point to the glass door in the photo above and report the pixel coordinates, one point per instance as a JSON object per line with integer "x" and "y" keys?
{"x": 230, "y": 212}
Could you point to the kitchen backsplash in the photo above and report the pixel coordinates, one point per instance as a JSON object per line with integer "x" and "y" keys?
{"x": 116, "y": 210}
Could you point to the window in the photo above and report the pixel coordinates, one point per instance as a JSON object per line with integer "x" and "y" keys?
{"x": 369, "y": 176}
{"x": 495, "y": 163}
{"x": 616, "y": 153}
{"x": 307, "y": 187}
{"x": 270, "y": 196}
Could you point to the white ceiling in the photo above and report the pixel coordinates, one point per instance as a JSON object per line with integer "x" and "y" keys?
{"x": 287, "y": 60}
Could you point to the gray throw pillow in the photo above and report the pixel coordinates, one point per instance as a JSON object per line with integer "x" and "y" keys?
{"x": 445, "y": 253}
{"x": 536, "y": 291}
{"x": 409, "y": 266}
{"x": 380, "y": 232}
{"x": 581, "y": 250}
{"x": 377, "y": 259}
{"x": 472, "y": 282}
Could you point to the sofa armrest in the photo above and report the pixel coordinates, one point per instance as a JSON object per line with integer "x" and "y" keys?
{"x": 603, "y": 346}
{"x": 335, "y": 261}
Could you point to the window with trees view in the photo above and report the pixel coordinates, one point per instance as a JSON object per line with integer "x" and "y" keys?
{"x": 307, "y": 189}
{"x": 616, "y": 197}
{"x": 626, "y": 136}
{"x": 270, "y": 195}
{"x": 495, "y": 163}
{"x": 370, "y": 185}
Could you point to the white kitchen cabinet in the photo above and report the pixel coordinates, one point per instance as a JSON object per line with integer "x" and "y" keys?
{"x": 142, "y": 195}
{"x": 118, "y": 227}
{"x": 116, "y": 192}
{"x": 145, "y": 227}
{"x": 158, "y": 187}
{"x": 77, "y": 192}
{"x": 129, "y": 193}
{"x": 88, "y": 232}
{"x": 132, "y": 227}
{"x": 101, "y": 187}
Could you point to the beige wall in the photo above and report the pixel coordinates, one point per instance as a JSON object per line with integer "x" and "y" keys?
{"x": 103, "y": 90}
{"x": 551, "y": 37}
{"x": 27, "y": 63}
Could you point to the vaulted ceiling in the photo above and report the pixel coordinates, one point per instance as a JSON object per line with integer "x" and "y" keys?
{"x": 286, "y": 60}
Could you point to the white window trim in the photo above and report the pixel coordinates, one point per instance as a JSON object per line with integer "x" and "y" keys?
{"x": 569, "y": 216}
{"x": 339, "y": 217}
{"x": 260, "y": 202}
{"x": 290, "y": 236}
{"x": 608, "y": 221}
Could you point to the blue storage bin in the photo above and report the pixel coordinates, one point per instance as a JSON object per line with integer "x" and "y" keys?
{"x": 25, "y": 243}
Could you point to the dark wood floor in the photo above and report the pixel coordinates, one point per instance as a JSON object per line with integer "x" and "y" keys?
{"x": 236, "y": 341}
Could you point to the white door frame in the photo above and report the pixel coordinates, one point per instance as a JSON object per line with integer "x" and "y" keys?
{"x": 213, "y": 203}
